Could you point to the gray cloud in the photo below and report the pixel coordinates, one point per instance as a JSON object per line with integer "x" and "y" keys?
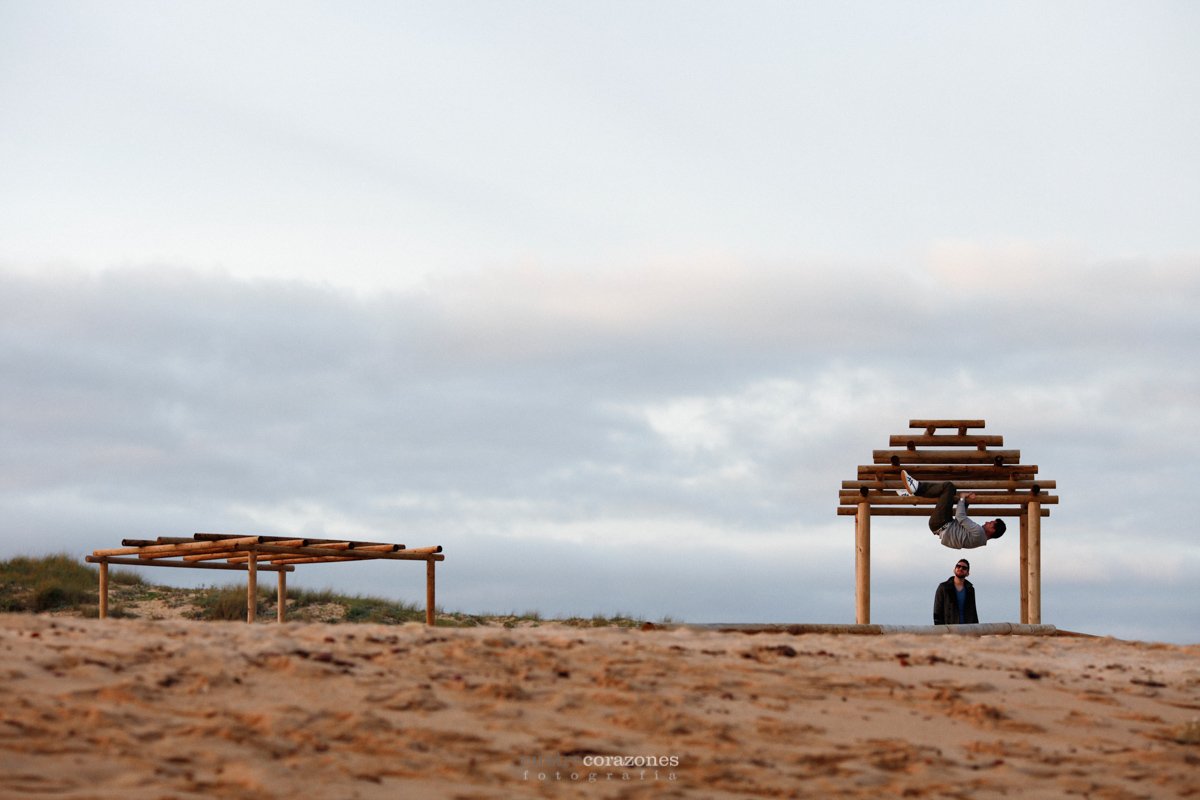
{"x": 667, "y": 443}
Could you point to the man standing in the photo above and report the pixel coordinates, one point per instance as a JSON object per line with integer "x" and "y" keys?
{"x": 954, "y": 600}
{"x": 949, "y": 522}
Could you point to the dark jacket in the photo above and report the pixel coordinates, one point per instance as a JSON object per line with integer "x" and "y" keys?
{"x": 945, "y": 604}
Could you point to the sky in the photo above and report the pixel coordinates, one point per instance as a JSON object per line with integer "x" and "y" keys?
{"x": 607, "y": 299}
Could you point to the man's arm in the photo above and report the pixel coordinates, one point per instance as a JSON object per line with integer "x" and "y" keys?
{"x": 938, "y": 596}
{"x": 960, "y": 511}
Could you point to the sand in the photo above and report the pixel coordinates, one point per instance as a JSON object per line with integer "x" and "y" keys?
{"x": 178, "y": 709}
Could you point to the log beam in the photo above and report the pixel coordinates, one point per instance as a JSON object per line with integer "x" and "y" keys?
{"x": 970, "y": 484}
{"x": 946, "y": 423}
{"x": 911, "y": 440}
{"x": 947, "y": 472}
{"x": 946, "y": 456}
{"x": 878, "y": 498}
{"x": 354, "y": 554}
{"x": 171, "y": 548}
{"x": 224, "y": 537}
{"x": 918, "y": 511}
{"x": 139, "y": 562}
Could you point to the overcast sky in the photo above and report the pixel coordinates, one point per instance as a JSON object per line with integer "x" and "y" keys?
{"x": 605, "y": 298}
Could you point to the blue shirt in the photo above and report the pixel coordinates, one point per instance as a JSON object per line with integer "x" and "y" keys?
{"x": 961, "y": 594}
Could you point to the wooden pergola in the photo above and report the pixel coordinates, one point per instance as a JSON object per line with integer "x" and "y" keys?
{"x": 254, "y": 554}
{"x": 950, "y": 450}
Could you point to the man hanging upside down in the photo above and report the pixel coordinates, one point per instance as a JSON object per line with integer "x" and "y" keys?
{"x": 949, "y": 522}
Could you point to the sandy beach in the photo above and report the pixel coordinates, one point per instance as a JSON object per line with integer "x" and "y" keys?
{"x": 176, "y": 709}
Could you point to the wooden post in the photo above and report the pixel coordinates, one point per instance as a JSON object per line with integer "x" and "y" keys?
{"x": 429, "y": 591}
{"x": 1024, "y": 546}
{"x": 103, "y": 589}
{"x": 1035, "y": 563}
{"x": 282, "y": 597}
{"x": 862, "y": 564}
{"x": 252, "y": 587}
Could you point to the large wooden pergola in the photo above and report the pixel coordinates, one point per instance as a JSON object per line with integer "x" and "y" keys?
{"x": 254, "y": 554}
{"x": 950, "y": 450}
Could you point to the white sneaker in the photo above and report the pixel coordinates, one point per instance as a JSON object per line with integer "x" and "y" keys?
{"x": 910, "y": 484}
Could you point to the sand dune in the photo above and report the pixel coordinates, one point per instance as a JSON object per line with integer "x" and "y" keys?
{"x": 171, "y": 709}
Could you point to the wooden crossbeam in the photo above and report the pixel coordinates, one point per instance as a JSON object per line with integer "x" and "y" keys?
{"x": 231, "y": 551}
{"x": 946, "y": 423}
{"x": 876, "y": 498}
{"x": 351, "y": 554}
{"x": 916, "y": 511}
{"x": 962, "y": 483}
{"x": 159, "y": 540}
{"x": 945, "y": 456}
{"x": 343, "y": 547}
{"x": 277, "y": 539}
{"x": 137, "y": 562}
{"x": 910, "y": 441}
{"x": 950, "y": 472}
{"x": 180, "y": 548}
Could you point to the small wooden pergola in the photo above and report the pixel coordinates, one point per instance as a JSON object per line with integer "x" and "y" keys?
{"x": 950, "y": 450}
{"x": 254, "y": 554}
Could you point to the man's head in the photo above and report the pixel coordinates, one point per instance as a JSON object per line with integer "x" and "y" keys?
{"x": 962, "y": 568}
{"x": 994, "y": 528}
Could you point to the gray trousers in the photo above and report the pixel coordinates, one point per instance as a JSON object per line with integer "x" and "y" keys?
{"x": 943, "y": 512}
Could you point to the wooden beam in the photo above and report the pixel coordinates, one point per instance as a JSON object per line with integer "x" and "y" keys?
{"x": 877, "y": 498}
{"x": 1007, "y": 457}
{"x": 212, "y": 551}
{"x": 278, "y": 539}
{"x": 308, "y": 559}
{"x": 138, "y": 562}
{"x": 945, "y": 440}
{"x": 946, "y": 423}
{"x": 918, "y": 511}
{"x": 288, "y": 559}
{"x": 862, "y": 564}
{"x": 349, "y": 554}
{"x": 970, "y": 484}
{"x": 166, "y": 548}
{"x": 234, "y": 553}
{"x": 953, "y": 472}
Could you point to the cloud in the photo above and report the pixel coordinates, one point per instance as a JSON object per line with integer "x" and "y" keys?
{"x": 665, "y": 440}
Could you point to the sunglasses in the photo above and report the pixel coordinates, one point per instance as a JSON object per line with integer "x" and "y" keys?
{"x": 962, "y": 567}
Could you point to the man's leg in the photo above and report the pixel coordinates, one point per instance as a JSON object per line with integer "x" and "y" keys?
{"x": 943, "y": 512}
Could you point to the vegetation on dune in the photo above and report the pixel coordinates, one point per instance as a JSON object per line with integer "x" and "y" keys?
{"x": 53, "y": 583}
{"x": 65, "y": 584}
